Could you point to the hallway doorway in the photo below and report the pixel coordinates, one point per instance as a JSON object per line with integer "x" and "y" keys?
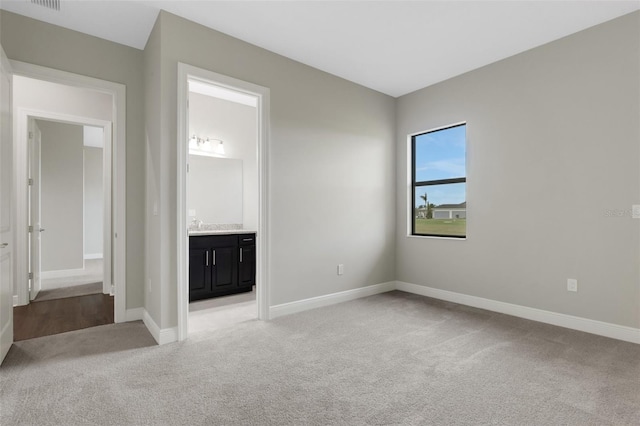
{"x": 69, "y": 284}
{"x": 75, "y": 279}
{"x": 68, "y": 202}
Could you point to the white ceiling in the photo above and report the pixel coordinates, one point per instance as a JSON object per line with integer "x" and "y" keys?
{"x": 394, "y": 47}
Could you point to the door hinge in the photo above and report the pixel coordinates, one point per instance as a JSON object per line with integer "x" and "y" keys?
{"x": 187, "y": 168}
{"x": 30, "y": 228}
{"x": 30, "y": 135}
{"x": 30, "y": 182}
{"x": 30, "y": 275}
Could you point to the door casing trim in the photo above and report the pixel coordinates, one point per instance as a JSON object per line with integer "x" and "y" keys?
{"x": 118, "y": 175}
{"x": 262, "y": 94}
{"x": 22, "y": 118}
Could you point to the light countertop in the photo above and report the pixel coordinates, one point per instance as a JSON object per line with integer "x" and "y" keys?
{"x": 220, "y": 232}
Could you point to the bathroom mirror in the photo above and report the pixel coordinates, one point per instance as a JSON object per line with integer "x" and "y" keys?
{"x": 214, "y": 189}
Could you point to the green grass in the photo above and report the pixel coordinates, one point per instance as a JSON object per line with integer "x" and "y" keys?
{"x": 454, "y": 227}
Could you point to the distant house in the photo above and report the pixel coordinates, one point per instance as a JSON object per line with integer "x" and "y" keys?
{"x": 421, "y": 212}
{"x": 450, "y": 211}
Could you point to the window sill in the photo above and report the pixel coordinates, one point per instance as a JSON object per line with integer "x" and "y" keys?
{"x": 436, "y": 237}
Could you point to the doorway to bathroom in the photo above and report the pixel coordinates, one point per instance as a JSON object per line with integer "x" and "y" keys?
{"x": 222, "y": 203}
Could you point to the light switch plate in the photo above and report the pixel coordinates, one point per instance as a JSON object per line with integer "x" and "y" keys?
{"x": 572, "y": 284}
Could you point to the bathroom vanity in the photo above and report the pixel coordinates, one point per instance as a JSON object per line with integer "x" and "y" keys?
{"x": 221, "y": 263}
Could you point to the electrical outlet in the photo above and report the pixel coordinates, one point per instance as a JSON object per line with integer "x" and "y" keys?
{"x": 341, "y": 269}
{"x": 572, "y": 285}
{"x": 192, "y": 213}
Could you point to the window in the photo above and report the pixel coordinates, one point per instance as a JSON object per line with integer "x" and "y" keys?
{"x": 438, "y": 183}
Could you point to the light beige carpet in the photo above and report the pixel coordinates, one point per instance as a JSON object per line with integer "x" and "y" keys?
{"x": 222, "y": 312}
{"x": 389, "y": 359}
{"x": 64, "y": 292}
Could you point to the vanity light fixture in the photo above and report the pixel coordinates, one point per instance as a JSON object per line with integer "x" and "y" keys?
{"x": 219, "y": 147}
{"x": 193, "y": 143}
{"x": 200, "y": 146}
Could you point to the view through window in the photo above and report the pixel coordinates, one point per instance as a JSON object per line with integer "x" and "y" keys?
{"x": 439, "y": 196}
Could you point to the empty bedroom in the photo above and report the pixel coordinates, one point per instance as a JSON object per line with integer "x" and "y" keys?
{"x": 430, "y": 215}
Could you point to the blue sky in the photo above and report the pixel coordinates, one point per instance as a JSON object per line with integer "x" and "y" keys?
{"x": 441, "y": 155}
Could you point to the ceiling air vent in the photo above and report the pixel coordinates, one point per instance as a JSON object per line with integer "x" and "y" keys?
{"x": 51, "y": 4}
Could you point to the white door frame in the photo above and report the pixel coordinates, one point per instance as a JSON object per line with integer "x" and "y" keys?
{"x": 186, "y": 73}
{"x": 7, "y": 236}
{"x": 23, "y": 116}
{"x": 117, "y": 170}
{"x": 34, "y": 167}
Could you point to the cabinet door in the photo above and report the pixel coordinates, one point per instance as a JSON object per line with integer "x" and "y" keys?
{"x": 199, "y": 273}
{"x": 247, "y": 269}
{"x": 225, "y": 270}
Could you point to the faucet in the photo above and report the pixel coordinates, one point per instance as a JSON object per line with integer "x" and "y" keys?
{"x": 195, "y": 223}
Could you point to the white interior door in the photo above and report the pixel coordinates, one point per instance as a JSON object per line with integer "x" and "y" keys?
{"x": 6, "y": 243}
{"x": 34, "y": 208}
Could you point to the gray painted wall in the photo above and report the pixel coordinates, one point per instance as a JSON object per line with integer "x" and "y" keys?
{"x": 331, "y": 163}
{"x": 93, "y": 201}
{"x": 156, "y": 242}
{"x": 236, "y": 125}
{"x": 553, "y": 134}
{"x": 61, "y": 195}
{"x": 552, "y": 127}
{"x": 39, "y": 43}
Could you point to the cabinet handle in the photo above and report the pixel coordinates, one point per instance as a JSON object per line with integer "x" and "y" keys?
{"x": 206, "y": 262}
{"x": 247, "y": 239}
{"x": 214, "y": 258}
{"x": 240, "y": 254}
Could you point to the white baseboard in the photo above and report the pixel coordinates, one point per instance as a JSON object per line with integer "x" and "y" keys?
{"x": 614, "y": 331}
{"x": 134, "y": 314}
{"x": 62, "y": 273}
{"x": 6, "y": 338}
{"x": 162, "y": 336}
{"x": 93, "y": 256}
{"x": 15, "y": 300}
{"x": 329, "y": 299}
{"x": 168, "y": 335}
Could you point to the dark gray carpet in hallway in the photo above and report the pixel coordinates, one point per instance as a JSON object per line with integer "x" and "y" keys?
{"x": 389, "y": 359}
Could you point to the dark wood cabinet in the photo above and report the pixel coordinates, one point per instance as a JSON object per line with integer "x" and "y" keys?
{"x": 220, "y": 265}
{"x": 199, "y": 274}
{"x": 224, "y": 268}
{"x": 247, "y": 265}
